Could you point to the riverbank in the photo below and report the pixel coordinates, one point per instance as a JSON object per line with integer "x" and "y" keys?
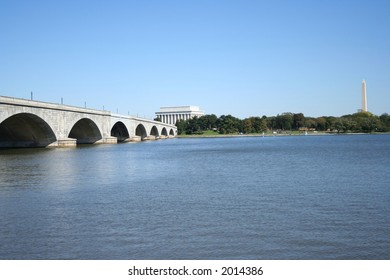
{"x": 216, "y": 135}
{"x": 251, "y": 135}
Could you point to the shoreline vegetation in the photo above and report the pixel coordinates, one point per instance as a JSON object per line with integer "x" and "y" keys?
{"x": 286, "y": 124}
{"x": 271, "y": 134}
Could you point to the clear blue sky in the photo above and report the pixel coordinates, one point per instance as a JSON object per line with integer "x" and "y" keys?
{"x": 239, "y": 57}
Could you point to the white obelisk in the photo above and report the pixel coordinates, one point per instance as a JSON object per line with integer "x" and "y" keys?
{"x": 364, "y": 97}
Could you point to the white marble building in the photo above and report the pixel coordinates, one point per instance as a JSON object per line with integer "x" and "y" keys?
{"x": 170, "y": 115}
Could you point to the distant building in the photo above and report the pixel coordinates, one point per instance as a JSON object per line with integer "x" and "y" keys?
{"x": 170, "y": 115}
{"x": 364, "y": 97}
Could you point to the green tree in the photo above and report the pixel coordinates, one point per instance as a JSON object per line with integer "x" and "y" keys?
{"x": 181, "y": 126}
{"x": 271, "y": 123}
{"x": 229, "y": 124}
{"x": 259, "y": 125}
{"x": 385, "y": 122}
{"x": 330, "y": 123}
{"x": 339, "y": 125}
{"x": 284, "y": 121}
{"x": 321, "y": 124}
{"x": 193, "y": 126}
{"x": 247, "y": 125}
{"x": 309, "y": 123}
{"x": 298, "y": 121}
{"x": 208, "y": 122}
{"x": 364, "y": 122}
{"x": 254, "y": 125}
{"x": 371, "y": 123}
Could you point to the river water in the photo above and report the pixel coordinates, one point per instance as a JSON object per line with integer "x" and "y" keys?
{"x": 308, "y": 197}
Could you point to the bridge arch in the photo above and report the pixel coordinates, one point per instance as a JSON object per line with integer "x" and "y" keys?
{"x": 119, "y": 130}
{"x": 164, "y": 132}
{"x": 154, "y": 131}
{"x": 85, "y": 131}
{"x": 141, "y": 131}
{"x": 25, "y": 130}
{"x": 171, "y": 132}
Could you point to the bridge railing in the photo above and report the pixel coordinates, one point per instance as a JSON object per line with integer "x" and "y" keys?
{"x": 48, "y": 105}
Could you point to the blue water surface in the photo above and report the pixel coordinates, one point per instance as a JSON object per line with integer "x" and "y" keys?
{"x": 298, "y": 197}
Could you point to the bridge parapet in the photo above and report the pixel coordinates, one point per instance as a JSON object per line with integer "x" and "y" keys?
{"x": 50, "y": 106}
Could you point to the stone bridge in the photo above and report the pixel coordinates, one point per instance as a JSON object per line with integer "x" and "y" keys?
{"x": 27, "y": 123}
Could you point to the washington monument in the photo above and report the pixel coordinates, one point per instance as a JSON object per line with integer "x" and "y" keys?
{"x": 364, "y": 96}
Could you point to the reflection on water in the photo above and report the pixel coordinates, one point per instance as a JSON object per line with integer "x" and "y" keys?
{"x": 238, "y": 198}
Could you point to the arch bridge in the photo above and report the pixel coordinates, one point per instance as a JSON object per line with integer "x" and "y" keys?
{"x": 27, "y": 123}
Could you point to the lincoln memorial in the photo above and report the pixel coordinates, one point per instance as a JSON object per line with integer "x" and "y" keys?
{"x": 170, "y": 115}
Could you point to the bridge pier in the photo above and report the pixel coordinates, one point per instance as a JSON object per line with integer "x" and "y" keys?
{"x": 151, "y": 137}
{"x": 72, "y": 142}
{"x": 135, "y": 139}
{"x": 65, "y": 142}
{"x": 110, "y": 140}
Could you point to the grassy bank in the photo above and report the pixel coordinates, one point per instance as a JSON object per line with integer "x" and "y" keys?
{"x": 271, "y": 134}
{"x": 214, "y": 134}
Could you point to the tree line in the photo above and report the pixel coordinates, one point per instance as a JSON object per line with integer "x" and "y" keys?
{"x": 362, "y": 122}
